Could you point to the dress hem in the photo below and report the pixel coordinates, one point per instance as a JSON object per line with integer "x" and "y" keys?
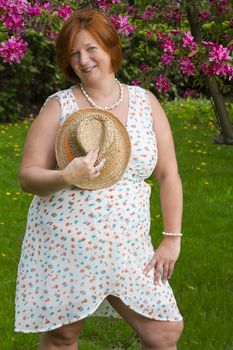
{"x": 91, "y": 314}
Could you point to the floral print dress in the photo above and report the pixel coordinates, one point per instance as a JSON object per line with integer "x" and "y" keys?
{"x": 83, "y": 245}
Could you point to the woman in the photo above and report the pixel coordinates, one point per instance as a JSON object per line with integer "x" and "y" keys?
{"x": 56, "y": 287}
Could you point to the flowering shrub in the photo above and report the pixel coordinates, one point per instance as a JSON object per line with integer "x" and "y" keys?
{"x": 13, "y": 49}
{"x": 159, "y": 49}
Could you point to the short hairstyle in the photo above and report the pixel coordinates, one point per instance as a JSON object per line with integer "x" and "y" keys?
{"x": 102, "y": 30}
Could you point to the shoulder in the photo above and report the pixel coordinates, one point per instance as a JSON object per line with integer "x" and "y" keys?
{"x": 138, "y": 94}
{"x": 56, "y": 99}
{"x": 59, "y": 94}
{"x": 137, "y": 88}
{"x": 152, "y": 98}
{"x": 144, "y": 92}
{"x": 160, "y": 120}
{"x": 156, "y": 107}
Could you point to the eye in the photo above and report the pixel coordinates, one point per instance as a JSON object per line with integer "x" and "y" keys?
{"x": 91, "y": 48}
{"x": 73, "y": 54}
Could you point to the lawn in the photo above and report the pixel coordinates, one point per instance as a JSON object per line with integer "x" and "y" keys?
{"x": 203, "y": 277}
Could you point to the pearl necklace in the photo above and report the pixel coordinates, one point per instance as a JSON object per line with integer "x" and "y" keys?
{"x": 106, "y": 108}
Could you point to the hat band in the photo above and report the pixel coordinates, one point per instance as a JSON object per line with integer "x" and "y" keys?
{"x": 67, "y": 147}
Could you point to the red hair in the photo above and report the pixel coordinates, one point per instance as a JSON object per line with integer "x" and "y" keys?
{"x": 102, "y": 30}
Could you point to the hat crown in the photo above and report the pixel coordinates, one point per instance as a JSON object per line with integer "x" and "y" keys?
{"x": 93, "y": 132}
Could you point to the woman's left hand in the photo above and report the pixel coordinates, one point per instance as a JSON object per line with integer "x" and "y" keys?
{"x": 164, "y": 259}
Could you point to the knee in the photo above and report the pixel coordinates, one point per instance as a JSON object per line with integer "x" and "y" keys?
{"x": 65, "y": 335}
{"x": 164, "y": 338}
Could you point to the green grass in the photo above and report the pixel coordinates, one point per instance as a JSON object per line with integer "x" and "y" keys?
{"x": 203, "y": 277}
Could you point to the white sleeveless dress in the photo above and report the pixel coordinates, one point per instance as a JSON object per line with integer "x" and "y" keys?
{"x": 82, "y": 245}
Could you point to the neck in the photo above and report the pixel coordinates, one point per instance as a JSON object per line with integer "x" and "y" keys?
{"x": 106, "y": 93}
{"x": 101, "y": 89}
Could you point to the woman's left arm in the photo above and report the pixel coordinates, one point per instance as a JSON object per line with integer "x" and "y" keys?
{"x": 171, "y": 196}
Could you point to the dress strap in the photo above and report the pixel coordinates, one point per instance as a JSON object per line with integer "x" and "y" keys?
{"x": 67, "y": 103}
{"x": 143, "y": 107}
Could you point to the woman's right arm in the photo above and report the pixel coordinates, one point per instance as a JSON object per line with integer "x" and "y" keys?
{"x": 37, "y": 174}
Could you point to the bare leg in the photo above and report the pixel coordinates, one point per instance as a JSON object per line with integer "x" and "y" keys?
{"x": 62, "y": 338}
{"x": 153, "y": 334}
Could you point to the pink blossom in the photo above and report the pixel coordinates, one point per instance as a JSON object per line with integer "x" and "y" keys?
{"x": 149, "y": 13}
{"x": 224, "y": 69}
{"x": 171, "y": 13}
{"x": 34, "y": 10}
{"x": 136, "y": 82}
{"x": 14, "y": 6}
{"x": 160, "y": 37}
{"x": 162, "y": 84}
{"x": 13, "y": 14}
{"x": 220, "y": 69}
{"x": 208, "y": 43}
{"x": 13, "y": 22}
{"x": 207, "y": 69}
{"x": 50, "y": 34}
{"x": 122, "y": 24}
{"x": 148, "y": 35}
{"x": 188, "y": 41}
{"x": 190, "y": 93}
{"x": 204, "y": 15}
{"x": 176, "y": 31}
{"x": 167, "y": 59}
{"x": 64, "y": 11}
{"x": 131, "y": 10}
{"x": 103, "y": 5}
{"x": 168, "y": 46}
{"x": 13, "y": 49}
{"x": 230, "y": 47}
{"x": 223, "y": 7}
{"x": 47, "y": 5}
{"x": 219, "y": 53}
{"x": 186, "y": 66}
{"x": 144, "y": 67}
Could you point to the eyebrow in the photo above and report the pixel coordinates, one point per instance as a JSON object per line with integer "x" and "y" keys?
{"x": 88, "y": 44}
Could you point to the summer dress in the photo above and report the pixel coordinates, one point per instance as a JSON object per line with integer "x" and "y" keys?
{"x": 82, "y": 245}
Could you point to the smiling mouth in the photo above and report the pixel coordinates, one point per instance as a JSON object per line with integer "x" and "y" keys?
{"x": 87, "y": 70}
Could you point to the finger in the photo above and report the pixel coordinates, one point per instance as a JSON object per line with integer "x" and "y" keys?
{"x": 165, "y": 272}
{"x": 150, "y": 265}
{"x": 158, "y": 273}
{"x": 92, "y": 156}
{"x": 95, "y": 175}
{"x": 98, "y": 168}
{"x": 170, "y": 269}
{"x": 95, "y": 156}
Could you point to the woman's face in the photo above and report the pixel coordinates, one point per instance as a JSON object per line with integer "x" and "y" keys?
{"x": 88, "y": 59}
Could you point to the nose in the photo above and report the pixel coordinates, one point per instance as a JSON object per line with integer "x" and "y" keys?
{"x": 83, "y": 58}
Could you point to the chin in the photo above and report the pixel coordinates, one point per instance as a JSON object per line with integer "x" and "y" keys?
{"x": 92, "y": 78}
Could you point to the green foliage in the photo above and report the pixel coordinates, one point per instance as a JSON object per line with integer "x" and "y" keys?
{"x": 25, "y": 86}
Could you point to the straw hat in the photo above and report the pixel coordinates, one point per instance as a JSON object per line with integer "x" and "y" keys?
{"x": 88, "y": 129}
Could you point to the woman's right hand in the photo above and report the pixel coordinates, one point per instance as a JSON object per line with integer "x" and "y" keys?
{"x": 83, "y": 168}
